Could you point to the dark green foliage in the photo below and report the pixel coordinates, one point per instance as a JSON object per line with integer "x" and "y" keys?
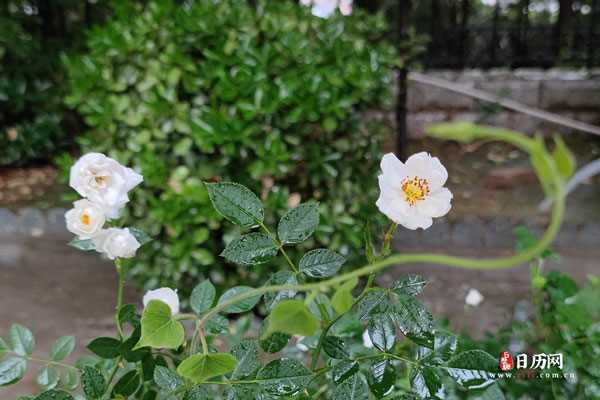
{"x": 270, "y": 97}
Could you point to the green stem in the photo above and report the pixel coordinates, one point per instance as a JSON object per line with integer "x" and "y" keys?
{"x": 121, "y": 283}
{"x": 41, "y": 360}
{"x": 203, "y": 340}
{"x": 452, "y": 261}
{"x": 113, "y": 372}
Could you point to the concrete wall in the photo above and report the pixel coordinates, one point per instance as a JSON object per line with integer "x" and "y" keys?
{"x": 574, "y": 94}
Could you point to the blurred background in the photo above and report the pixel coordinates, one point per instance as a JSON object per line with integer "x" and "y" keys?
{"x": 296, "y": 107}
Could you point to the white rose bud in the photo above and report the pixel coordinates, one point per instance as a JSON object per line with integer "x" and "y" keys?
{"x": 116, "y": 243}
{"x": 413, "y": 193}
{"x": 166, "y": 295}
{"x": 85, "y": 219}
{"x": 103, "y": 181}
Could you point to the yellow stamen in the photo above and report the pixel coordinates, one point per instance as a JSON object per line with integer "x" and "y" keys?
{"x": 85, "y": 219}
{"x": 415, "y": 189}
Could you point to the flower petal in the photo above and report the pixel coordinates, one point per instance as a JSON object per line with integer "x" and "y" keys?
{"x": 427, "y": 167}
{"x": 437, "y": 204}
{"x": 401, "y": 213}
{"x": 393, "y": 169}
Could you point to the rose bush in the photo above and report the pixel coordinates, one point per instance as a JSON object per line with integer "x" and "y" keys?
{"x": 338, "y": 337}
{"x": 271, "y": 97}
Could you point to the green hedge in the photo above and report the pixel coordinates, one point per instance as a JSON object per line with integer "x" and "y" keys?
{"x": 219, "y": 90}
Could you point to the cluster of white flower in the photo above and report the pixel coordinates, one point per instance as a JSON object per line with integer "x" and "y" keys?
{"x": 325, "y": 8}
{"x": 104, "y": 184}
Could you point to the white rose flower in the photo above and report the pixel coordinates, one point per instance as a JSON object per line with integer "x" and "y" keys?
{"x": 166, "y": 295}
{"x": 116, "y": 243}
{"x": 412, "y": 193}
{"x": 474, "y": 298}
{"x": 346, "y": 7}
{"x": 85, "y": 219}
{"x": 103, "y": 181}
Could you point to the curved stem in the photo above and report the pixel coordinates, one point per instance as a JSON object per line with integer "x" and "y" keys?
{"x": 452, "y": 261}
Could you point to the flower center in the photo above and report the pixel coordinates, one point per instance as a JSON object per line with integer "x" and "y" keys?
{"x": 85, "y": 219}
{"x": 415, "y": 189}
{"x": 100, "y": 180}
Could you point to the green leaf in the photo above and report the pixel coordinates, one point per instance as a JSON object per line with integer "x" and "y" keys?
{"x": 48, "y": 377}
{"x": 426, "y": 382}
{"x": 242, "y": 305}
{"x": 105, "y": 347}
{"x": 472, "y": 368}
{"x": 141, "y": 236}
{"x": 236, "y": 203}
{"x": 197, "y": 393}
{"x": 246, "y": 352}
{"x": 62, "y": 348}
{"x": 292, "y": 317}
{"x": 128, "y": 384}
{"x": 409, "y": 285}
{"x": 128, "y": 313}
{"x": 414, "y": 320}
{"x": 284, "y": 377}
{"x": 381, "y": 378}
{"x": 250, "y": 249}
{"x": 82, "y": 244}
{"x": 382, "y": 332}
{"x": 353, "y": 388}
{"x": 167, "y": 379}
{"x": 492, "y": 392}
{"x": 93, "y": 382}
{"x": 343, "y": 370}
{"x": 203, "y": 297}
{"x": 21, "y": 340}
{"x": 563, "y": 157}
{"x": 159, "y": 328}
{"x": 126, "y": 349}
{"x": 54, "y": 395}
{"x": 200, "y": 367}
{"x": 373, "y": 303}
{"x": 299, "y": 223}
{"x": 3, "y": 347}
{"x": 274, "y": 342}
{"x": 12, "y": 370}
{"x": 69, "y": 379}
{"x": 321, "y": 263}
{"x": 280, "y": 278}
{"x": 342, "y": 300}
{"x": 216, "y": 325}
{"x": 335, "y": 347}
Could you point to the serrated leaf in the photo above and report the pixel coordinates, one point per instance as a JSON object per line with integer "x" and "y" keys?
{"x": 343, "y": 370}
{"x": 342, "y": 300}
{"x": 382, "y": 332}
{"x": 426, "y": 382}
{"x": 12, "y": 370}
{"x": 203, "y": 297}
{"x": 141, "y": 236}
{"x": 321, "y": 263}
{"x": 414, "y": 320}
{"x": 373, "y": 302}
{"x": 200, "y": 367}
{"x": 381, "y": 378}
{"x": 93, "y": 382}
{"x": 299, "y": 223}
{"x": 563, "y": 158}
{"x": 242, "y": 305}
{"x": 128, "y": 384}
{"x": 159, "y": 328}
{"x": 280, "y": 278}
{"x": 167, "y": 379}
{"x": 21, "y": 340}
{"x": 250, "y": 249}
{"x": 62, "y": 348}
{"x": 283, "y": 377}
{"x": 335, "y": 347}
{"x": 216, "y": 325}
{"x": 197, "y": 393}
{"x": 409, "y": 285}
{"x": 69, "y": 379}
{"x": 54, "y": 395}
{"x": 472, "y": 368}
{"x": 244, "y": 392}
{"x": 237, "y": 203}
{"x": 273, "y": 342}
{"x": 47, "y": 378}
{"x": 353, "y": 388}
{"x": 82, "y": 244}
{"x": 292, "y": 317}
{"x": 127, "y": 313}
{"x": 246, "y": 352}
